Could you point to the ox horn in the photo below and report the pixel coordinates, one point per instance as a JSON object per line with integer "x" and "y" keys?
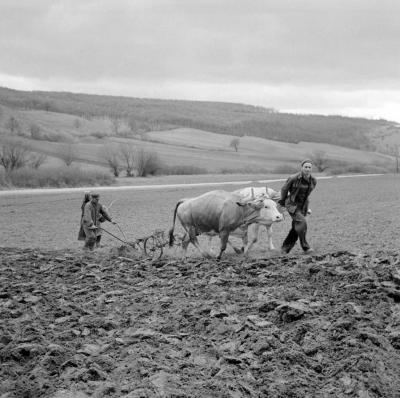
{"x": 252, "y": 193}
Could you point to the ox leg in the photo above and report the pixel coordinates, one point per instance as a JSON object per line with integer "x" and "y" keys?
{"x": 223, "y": 235}
{"x": 254, "y": 238}
{"x": 210, "y": 243}
{"x": 245, "y": 238}
{"x": 269, "y": 237}
{"x": 185, "y": 244}
{"x": 190, "y": 237}
{"x": 236, "y": 249}
{"x": 195, "y": 242}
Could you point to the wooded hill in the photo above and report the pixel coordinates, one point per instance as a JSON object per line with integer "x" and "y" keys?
{"x": 144, "y": 115}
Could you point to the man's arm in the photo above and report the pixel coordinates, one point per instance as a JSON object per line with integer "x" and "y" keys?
{"x": 105, "y": 214}
{"x": 306, "y": 209}
{"x": 284, "y": 191}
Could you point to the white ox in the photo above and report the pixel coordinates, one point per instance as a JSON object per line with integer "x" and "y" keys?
{"x": 269, "y": 213}
{"x": 217, "y": 212}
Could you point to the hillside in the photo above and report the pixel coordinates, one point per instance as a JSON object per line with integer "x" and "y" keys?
{"x": 130, "y": 116}
{"x": 81, "y": 124}
{"x": 208, "y": 151}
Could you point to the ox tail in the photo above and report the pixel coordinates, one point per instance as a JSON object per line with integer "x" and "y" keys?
{"x": 171, "y": 231}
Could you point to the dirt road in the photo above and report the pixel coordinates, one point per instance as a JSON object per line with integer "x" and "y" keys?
{"x": 38, "y": 191}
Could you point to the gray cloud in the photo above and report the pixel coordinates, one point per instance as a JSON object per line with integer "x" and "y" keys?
{"x": 330, "y": 45}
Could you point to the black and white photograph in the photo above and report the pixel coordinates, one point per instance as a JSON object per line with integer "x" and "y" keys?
{"x": 199, "y": 199}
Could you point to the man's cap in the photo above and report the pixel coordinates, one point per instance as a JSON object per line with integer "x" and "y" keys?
{"x": 306, "y": 161}
{"x": 94, "y": 194}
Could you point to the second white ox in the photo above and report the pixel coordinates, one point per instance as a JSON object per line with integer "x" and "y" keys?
{"x": 217, "y": 212}
{"x": 269, "y": 213}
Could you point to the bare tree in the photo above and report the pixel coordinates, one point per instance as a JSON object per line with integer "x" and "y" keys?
{"x": 147, "y": 163}
{"x": 68, "y": 154}
{"x": 320, "y": 160}
{"x": 12, "y": 124}
{"x": 235, "y": 144}
{"x": 128, "y": 155}
{"x": 13, "y": 154}
{"x": 112, "y": 157}
{"x": 37, "y": 159}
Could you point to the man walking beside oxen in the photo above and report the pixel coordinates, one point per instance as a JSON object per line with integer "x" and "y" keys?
{"x": 295, "y": 198}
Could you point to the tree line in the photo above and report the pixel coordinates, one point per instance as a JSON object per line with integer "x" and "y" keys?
{"x": 136, "y": 162}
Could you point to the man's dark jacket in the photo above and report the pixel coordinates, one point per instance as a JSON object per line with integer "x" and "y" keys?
{"x": 290, "y": 190}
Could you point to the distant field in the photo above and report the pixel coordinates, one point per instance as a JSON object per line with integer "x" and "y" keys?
{"x": 175, "y": 147}
{"x": 348, "y": 213}
{"x": 271, "y": 151}
{"x": 55, "y": 124}
{"x": 209, "y": 151}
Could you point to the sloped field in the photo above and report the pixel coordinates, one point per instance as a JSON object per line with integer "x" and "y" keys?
{"x": 265, "y": 149}
{"x": 110, "y": 325}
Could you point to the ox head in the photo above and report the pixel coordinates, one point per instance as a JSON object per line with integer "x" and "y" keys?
{"x": 251, "y": 209}
{"x": 269, "y": 210}
{"x": 270, "y": 213}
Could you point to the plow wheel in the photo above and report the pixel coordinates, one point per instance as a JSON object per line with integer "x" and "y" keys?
{"x": 152, "y": 248}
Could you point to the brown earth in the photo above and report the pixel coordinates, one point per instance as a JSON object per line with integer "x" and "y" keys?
{"x": 108, "y": 324}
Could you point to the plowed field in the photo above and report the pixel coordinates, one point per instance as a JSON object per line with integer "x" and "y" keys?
{"x": 105, "y": 326}
{"x": 113, "y": 324}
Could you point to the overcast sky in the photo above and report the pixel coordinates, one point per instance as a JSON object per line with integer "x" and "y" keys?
{"x": 317, "y": 56}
